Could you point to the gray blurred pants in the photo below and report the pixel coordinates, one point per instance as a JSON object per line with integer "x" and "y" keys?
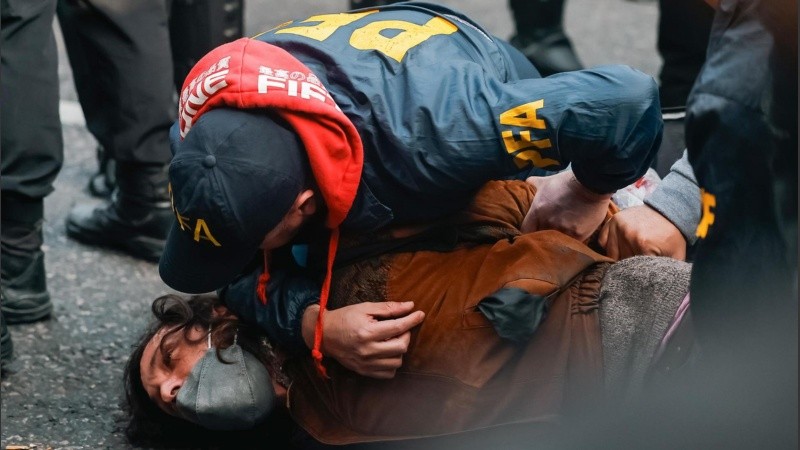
{"x": 30, "y": 128}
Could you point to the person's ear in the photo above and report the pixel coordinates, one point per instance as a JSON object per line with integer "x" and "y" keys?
{"x": 306, "y": 203}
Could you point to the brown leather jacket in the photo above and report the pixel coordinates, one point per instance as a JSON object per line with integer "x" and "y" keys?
{"x": 458, "y": 374}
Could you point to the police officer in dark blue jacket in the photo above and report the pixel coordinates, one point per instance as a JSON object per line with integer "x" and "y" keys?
{"x": 440, "y": 110}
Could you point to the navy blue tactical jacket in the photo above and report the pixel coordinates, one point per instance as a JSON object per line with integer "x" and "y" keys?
{"x": 441, "y": 110}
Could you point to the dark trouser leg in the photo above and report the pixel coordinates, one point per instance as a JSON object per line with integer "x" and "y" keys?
{"x": 540, "y": 35}
{"x": 32, "y": 152}
{"x": 30, "y": 128}
{"x": 683, "y": 31}
{"x": 196, "y": 27}
{"x": 122, "y": 65}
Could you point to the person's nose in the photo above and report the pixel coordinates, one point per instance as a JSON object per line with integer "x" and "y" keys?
{"x": 169, "y": 389}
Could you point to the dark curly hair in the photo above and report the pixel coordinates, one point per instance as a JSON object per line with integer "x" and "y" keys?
{"x": 147, "y": 424}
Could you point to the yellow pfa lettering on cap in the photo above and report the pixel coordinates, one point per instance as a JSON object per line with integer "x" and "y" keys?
{"x": 201, "y": 231}
{"x": 183, "y": 221}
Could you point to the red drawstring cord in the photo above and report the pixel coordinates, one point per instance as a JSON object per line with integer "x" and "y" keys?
{"x": 261, "y": 291}
{"x": 261, "y": 287}
{"x": 316, "y": 352}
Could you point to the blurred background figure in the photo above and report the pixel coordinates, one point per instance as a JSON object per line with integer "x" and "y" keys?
{"x": 740, "y": 390}
{"x": 129, "y": 59}
{"x": 32, "y": 154}
{"x": 742, "y": 141}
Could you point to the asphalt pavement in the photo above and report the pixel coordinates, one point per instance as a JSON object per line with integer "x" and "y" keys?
{"x": 67, "y": 390}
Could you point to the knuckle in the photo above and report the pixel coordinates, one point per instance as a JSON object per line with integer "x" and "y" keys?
{"x": 361, "y": 352}
{"x": 363, "y": 334}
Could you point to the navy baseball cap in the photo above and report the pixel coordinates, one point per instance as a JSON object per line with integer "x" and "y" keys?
{"x": 232, "y": 179}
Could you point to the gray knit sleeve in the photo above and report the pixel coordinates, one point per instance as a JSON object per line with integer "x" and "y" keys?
{"x": 677, "y": 198}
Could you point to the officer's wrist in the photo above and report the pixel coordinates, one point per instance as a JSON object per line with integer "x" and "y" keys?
{"x": 584, "y": 192}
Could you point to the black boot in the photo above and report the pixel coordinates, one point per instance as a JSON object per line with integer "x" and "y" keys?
{"x": 136, "y": 220}
{"x": 23, "y": 285}
{"x": 540, "y": 36}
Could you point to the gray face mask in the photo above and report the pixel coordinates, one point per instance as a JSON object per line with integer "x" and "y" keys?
{"x": 220, "y": 396}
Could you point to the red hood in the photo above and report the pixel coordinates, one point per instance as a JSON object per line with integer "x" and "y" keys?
{"x": 252, "y": 74}
{"x": 248, "y": 73}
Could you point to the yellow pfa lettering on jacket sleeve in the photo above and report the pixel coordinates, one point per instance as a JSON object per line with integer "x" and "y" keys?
{"x": 521, "y": 144}
{"x": 709, "y": 202}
